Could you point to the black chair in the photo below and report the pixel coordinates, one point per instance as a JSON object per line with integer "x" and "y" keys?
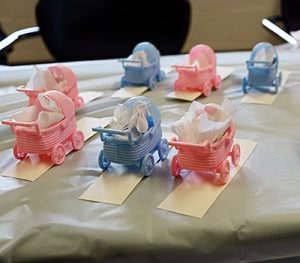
{"x": 290, "y": 19}
{"x": 100, "y": 29}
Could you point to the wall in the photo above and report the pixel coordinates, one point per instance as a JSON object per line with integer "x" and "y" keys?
{"x": 222, "y": 24}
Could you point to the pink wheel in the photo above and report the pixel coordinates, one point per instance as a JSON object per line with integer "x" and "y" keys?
{"x": 176, "y": 85}
{"x": 58, "y": 154}
{"x": 217, "y": 82}
{"x": 207, "y": 89}
{"x": 224, "y": 172}
{"x": 18, "y": 153}
{"x": 80, "y": 102}
{"x": 235, "y": 154}
{"x": 175, "y": 166}
{"x": 77, "y": 140}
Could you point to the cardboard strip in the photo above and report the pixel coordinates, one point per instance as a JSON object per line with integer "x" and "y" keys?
{"x": 89, "y": 96}
{"x": 224, "y": 72}
{"x": 195, "y": 195}
{"x": 129, "y": 92}
{"x": 114, "y": 185}
{"x": 32, "y": 167}
{"x": 265, "y": 98}
{"x": 184, "y": 95}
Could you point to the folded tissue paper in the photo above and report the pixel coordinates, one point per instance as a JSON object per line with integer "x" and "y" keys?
{"x": 204, "y": 122}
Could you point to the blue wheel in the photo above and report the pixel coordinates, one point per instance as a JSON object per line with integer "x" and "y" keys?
{"x": 103, "y": 163}
{"x": 163, "y": 149}
{"x": 245, "y": 84}
{"x": 152, "y": 82}
{"x": 278, "y": 80}
{"x": 161, "y": 75}
{"x": 148, "y": 164}
{"x": 123, "y": 82}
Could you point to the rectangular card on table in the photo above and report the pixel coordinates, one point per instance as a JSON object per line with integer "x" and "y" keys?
{"x": 32, "y": 167}
{"x": 265, "y": 98}
{"x": 114, "y": 185}
{"x": 224, "y": 72}
{"x": 129, "y": 92}
{"x": 89, "y": 96}
{"x": 194, "y": 196}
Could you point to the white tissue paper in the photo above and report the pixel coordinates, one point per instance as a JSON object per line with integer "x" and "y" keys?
{"x": 44, "y": 80}
{"x": 264, "y": 54}
{"x": 204, "y": 122}
{"x": 45, "y": 118}
{"x": 138, "y": 56}
{"x": 134, "y": 120}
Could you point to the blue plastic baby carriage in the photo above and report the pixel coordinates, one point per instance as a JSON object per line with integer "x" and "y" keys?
{"x": 121, "y": 146}
{"x": 142, "y": 68}
{"x": 263, "y": 70}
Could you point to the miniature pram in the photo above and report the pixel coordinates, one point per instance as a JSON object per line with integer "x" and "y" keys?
{"x": 207, "y": 157}
{"x": 46, "y": 127}
{"x": 66, "y": 83}
{"x": 142, "y": 67}
{"x": 199, "y": 73}
{"x": 263, "y": 70}
{"x": 129, "y": 150}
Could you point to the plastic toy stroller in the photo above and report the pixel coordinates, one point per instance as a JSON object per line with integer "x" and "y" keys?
{"x": 62, "y": 75}
{"x": 263, "y": 70}
{"x": 121, "y": 147}
{"x": 142, "y": 67}
{"x": 207, "y": 157}
{"x": 46, "y": 127}
{"x": 199, "y": 73}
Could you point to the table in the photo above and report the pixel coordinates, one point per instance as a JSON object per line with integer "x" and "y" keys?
{"x": 256, "y": 218}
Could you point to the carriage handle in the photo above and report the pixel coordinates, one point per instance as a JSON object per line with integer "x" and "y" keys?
{"x": 184, "y": 66}
{"x": 14, "y": 123}
{"x": 23, "y": 89}
{"x": 102, "y": 131}
{"x": 251, "y": 62}
{"x": 175, "y": 142}
{"x": 124, "y": 60}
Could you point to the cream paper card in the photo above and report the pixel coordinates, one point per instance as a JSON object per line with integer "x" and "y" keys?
{"x": 184, "y": 95}
{"x": 129, "y": 92}
{"x": 224, "y": 72}
{"x": 114, "y": 185}
{"x": 32, "y": 167}
{"x": 194, "y": 196}
{"x": 265, "y": 98}
{"x": 89, "y": 96}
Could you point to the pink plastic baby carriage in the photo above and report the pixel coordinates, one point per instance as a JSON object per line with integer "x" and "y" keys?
{"x": 66, "y": 83}
{"x": 46, "y": 127}
{"x": 199, "y": 72}
{"x": 207, "y": 157}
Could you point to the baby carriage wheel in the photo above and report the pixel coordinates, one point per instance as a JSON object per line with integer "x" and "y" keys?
{"x": 224, "y": 172}
{"x": 103, "y": 163}
{"x": 235, "y": 154}
{"x": 175, "y": 166}
{"x": 123, "y": 82}
{"x": 206, "y": 89}
{"x": 217, "y": 82}
{"x": 161, "y": 76}
{"x": 18, "y": 153}
{"x": 176, "y": 85}
{"x": 152, "y": 82}
{"x": 163, "y": 149}
{"x": 147, "y": 164}
{"x": 245, "y": 84}
{"x": 58, "y": 154}
{"x": 278, "y": 81}
{"x": 77, "y": 140}
{"x": 80, "y": 102}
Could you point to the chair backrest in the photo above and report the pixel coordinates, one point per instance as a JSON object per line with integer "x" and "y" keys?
{"x": 101, "y": 29}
